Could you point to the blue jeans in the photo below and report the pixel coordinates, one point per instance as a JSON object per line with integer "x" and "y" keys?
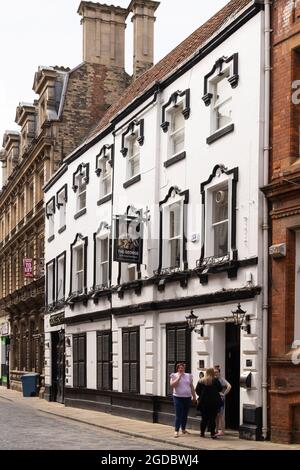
{"x": 182, "y": 406}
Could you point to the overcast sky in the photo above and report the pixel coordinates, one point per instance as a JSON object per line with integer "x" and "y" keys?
{"x": 48, "y": 32}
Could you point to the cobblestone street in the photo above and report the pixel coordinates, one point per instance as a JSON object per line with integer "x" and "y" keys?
{"x": 26, "y": 428}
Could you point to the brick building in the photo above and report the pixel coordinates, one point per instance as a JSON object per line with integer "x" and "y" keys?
{"x": 69, "y": 104}
{"x": 283, "y": 193}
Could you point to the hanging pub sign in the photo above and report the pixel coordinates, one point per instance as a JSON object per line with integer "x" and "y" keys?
{"x": 28, "y": 267}
{"x": 128, "y": 243}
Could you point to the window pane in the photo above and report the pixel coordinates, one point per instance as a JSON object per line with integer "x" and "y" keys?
{"x": 82, "y": 200}
{"x": 220, "y": 205}
{"x": 177, "y": 120}
{"x": 104, "y": 250}
{"x": 79, "y": 276}
{"x": 175, "y": 253}
{"x": 79, "y": 259}
{"x": 81, "y": 184}
{"x": 224, "y": 114}
{"x": 175, "y": 212}
{"x": 178, "y": 142}
{"x": 104, "y": 273}
{"x": 134, "y": 166}
{"x": 134, "y": 147}
{"x": 221, "y": 239}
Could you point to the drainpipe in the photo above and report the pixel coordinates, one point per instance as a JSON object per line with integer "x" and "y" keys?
{"x": 265, "y": 227}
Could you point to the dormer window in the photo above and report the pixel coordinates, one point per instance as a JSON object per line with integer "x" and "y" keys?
{"x": 104, "y": 163}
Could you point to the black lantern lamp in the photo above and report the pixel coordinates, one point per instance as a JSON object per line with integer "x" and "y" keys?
{"x": 193, "y": 322}
{"x": 238, "y": 315}
{"x": 241, "y": 319}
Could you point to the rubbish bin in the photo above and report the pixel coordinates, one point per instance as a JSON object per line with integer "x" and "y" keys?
{"x": 30, "y": 384}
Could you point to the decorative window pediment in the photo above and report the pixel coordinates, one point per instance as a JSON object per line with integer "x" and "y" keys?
{"x": 82, "y": 172}
{"x": 106, "y": 154}
{"x": 50, "y": 207}
{"x": 62, "y": 196}
{"x": 134, "y": 130}
{"x": 173, "y": 103}
{"x": 218, "y": 71}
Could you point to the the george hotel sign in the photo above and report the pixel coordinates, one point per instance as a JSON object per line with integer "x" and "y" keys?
{"x": 128, "y": 243}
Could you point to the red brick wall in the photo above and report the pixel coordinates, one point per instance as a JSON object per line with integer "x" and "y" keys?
{"x": 284, "y": 377}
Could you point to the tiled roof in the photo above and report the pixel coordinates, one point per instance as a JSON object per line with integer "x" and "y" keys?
{"x": 171, "y": 61}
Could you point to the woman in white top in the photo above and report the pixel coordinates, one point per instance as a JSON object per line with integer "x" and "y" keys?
{"x": 183, "y": 390}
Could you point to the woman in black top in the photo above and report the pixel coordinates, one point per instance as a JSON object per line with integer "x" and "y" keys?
{"x": 209, "y": 402}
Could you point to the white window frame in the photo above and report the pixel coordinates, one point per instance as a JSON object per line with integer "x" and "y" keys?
{"x": 209, "y": 231}
{"x": 62, "y": 206}
{"x": 218, "y": 102}
{"x": 75, "y": 274}
{"x": 50, "y": 274}
{"x": 131, "y": 157}
{"x": 99, "y": 280}
{"x": 105, "y": 163}
{"x": 177, "y": 109}
{"x": 50, "y": 211}
{"x": 166, "y": 255}
{"x": 60, "y": 276}
{"x": 80, "y": 182}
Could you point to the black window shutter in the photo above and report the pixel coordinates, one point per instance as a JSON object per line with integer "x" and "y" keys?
{"x": 104, "y": 366}
{"x": 75, "y": 361}
{"x": 178, "y": 350}
{"x": 79, "y": 360}
{"x": 131, "y": 360}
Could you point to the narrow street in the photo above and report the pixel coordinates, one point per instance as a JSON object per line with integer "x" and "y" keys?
{"x": 28, "y": 429}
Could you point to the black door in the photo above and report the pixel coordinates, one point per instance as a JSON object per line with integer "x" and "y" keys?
{"x": 58, "y": 366}
{"x": 232, "y": 374}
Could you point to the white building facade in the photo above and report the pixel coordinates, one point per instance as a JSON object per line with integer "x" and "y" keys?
{"x": 159, "y": 214}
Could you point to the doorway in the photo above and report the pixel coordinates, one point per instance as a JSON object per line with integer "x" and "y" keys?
{"x": 232, "y": 374}
{"x": 58, "y": 366}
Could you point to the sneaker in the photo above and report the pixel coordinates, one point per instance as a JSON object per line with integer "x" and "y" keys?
{"x": 220, "y": 433}
{"x": 202, "y": 435}
{"x": 176, "y": 434}
{"x": 214, "y": 436}
{"x": 184, "y": 431}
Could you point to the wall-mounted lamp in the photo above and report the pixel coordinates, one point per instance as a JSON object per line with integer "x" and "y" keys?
{"x": 193, "y": 321}
{"x": 241, "y": 319}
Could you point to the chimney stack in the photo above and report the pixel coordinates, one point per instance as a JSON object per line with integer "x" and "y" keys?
{"x": 103, "y": 33}
{"x": 143, "y": 34}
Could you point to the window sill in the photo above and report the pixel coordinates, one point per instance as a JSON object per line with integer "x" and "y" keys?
{"x": 175, "y": 159}
{"x": 50, "y": 239}
{"x": 220, "y": 133}
{"x": 104, "y": 199}
{"x": 132, "y": 181}
{"x": 80, "y": 213}
{"x": 62, "y": 229}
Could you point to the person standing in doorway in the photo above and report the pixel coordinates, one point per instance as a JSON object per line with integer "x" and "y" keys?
{"x": 226, "y": 387}
{"x": 209, "y": 402}
{"x": 183, "y": 390}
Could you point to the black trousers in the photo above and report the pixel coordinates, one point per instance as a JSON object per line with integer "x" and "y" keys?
{"x": 208, "y": 418}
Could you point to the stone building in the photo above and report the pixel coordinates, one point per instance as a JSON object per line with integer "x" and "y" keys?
{"x": 283, "y": 193}
{"x": 69, "y": 104}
